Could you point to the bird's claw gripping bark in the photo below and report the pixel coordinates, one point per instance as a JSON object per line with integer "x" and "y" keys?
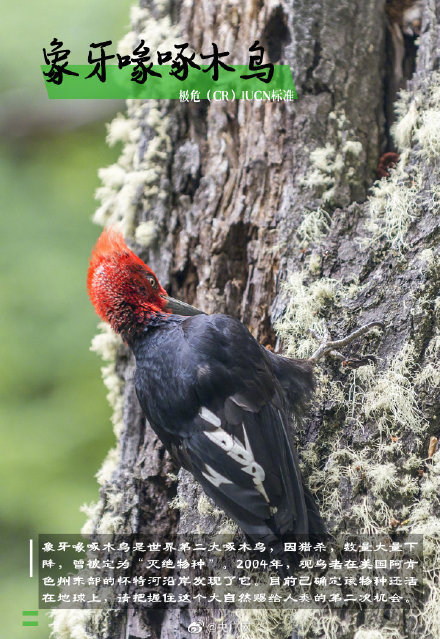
{"x": 330, "y": 347}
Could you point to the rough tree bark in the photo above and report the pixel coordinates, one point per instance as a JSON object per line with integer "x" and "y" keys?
{"x": 229, "y": 200}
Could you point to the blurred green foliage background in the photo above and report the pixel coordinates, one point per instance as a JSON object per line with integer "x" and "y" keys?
{"x": 54, "y": 418}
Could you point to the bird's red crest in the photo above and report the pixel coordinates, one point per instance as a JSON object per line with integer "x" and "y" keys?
{"x": 123, "y": 289}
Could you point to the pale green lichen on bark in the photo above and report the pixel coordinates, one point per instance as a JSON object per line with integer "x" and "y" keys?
{"x": 308, "y": 303}
{"x": 106, "y": 344}
{"x": 366, "y": 487}
{"x": 335, "y": 164}
{"x": 382, "y": 467}
{"x": 385, "y": 470}
{"x": 397, "y": 201}
{"x": 135, "y": 178}
{"x": 314, "y": 226}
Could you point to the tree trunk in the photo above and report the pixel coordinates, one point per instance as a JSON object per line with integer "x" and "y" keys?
{"x": 264, "y": 211}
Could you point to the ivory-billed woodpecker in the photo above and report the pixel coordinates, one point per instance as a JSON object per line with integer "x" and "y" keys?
{"x": 221, "y": 403}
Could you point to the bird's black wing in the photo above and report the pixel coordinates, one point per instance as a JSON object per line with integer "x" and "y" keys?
{"x": 224, "y": 418}
{"x": 249, "y": 470}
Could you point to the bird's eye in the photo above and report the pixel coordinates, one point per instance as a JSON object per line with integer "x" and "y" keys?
{"x": 152, "y": 281}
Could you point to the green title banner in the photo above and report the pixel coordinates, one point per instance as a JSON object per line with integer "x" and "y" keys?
{"x": 118, "y": 84}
